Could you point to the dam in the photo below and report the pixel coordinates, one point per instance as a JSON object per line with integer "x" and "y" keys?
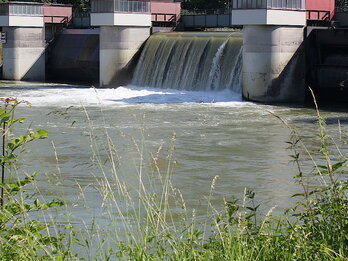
{"x": 265, "y": 62}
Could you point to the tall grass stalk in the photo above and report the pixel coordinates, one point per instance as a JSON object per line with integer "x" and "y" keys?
{"x": 147, "y": 226}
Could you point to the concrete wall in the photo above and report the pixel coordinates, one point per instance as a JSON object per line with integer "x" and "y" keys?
{"x": 120, "y": 19}
{"x": 74, "y": 57}
{"x": 268, "y": 17}
{"x": 117, "y": 47}
{"x": 327, "y": 56}
{"x": 24, "y": 54}
{"x": 22, "y": 21}
{"x": 271, "y": 65}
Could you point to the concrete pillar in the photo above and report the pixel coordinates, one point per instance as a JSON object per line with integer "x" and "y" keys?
{"x": 24, "y": 53}
{"x": 273, "y": 67}
{"x": 118, "y": 44}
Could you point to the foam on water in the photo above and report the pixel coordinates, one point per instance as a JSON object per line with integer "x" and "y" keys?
{"x": 63, "y": 96}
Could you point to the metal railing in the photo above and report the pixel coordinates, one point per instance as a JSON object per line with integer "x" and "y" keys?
{"x": 58, "y": 19}
{"x": 162, "y": 17}
{"x": 269, "y": 4}
{"x": 111, "y": 6}
{"x": 22, "y": 9}
{"x": 205, "y": 11}
{"x": 318, "y": 15}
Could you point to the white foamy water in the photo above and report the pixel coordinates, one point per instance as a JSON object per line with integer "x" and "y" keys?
{"x": 43, "y": 95}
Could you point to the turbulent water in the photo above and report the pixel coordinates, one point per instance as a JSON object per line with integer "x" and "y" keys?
{"x": 191, "y": 61}
{"x": 216, "y": 135}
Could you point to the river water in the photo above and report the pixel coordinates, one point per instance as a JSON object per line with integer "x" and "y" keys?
{"x": 216, "y": 134}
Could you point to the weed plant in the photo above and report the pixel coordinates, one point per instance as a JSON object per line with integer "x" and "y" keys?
{"x": 22, "y": 237}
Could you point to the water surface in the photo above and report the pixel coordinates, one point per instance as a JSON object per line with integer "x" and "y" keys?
{"x": 216, "y": 134}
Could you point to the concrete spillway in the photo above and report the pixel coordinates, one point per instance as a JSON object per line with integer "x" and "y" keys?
{"x": 191, "y": 61}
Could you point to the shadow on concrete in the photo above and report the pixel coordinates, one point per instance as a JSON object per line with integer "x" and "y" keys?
{"x": 36, "y": 71}
{"x": 74, "y": 58}
{"x": 327, "y": 56}
{"x": 125, "y": 75}
{"x": 289, "y": 86}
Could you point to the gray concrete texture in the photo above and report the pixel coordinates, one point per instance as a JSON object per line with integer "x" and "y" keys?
{"x": 270, "y": 59}
{"x": 117, "y": 47}
{"x": 74, "y": 57}
{"x": 24, "y": 37}
{"x": 24, "y": 54}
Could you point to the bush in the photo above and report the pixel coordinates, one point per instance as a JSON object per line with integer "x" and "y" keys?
{"x": 21, "y": 237}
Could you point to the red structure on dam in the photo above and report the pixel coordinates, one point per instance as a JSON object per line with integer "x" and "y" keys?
{"x": 57, "y": 14}
{"x": 320, "y": 9}
{"x": 165, "y": 10}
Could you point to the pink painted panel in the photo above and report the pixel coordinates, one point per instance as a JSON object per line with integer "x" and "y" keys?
{"x": 57, "y": 13}
{"x": 320, "y": 5}
{"x": 164, "y": 7}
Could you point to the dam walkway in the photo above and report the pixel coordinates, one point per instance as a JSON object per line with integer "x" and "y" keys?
{"x": 222, "y": 18}
{"x": 207, "y": 19}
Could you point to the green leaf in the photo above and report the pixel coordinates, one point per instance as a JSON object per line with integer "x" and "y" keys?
{"x": 299, "y": 175}
{"x": 338, "y": 165}
{"x": 20, "y": 120}
{"x": 298, "y": 195}
{"x": 322, "y": 167}
{"x": 4, "y": 118}
{"x": 41, "y": 134}
{"x": 55, "y": 203}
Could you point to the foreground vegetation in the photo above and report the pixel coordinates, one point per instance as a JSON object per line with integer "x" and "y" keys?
{"x": 21, "y": 237}
{"x": 144, "y": 227}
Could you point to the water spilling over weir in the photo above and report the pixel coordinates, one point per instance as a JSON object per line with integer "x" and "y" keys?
{"x": 191, "y": 61}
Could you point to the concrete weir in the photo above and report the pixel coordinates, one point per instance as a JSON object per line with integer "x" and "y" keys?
{"x": 24, "y": 43}
{"x": 124, "y": 27}
{"x": 118, "y": 45}
{"x": 269, "y": 63}
{"x": 273, "y": 34}
{"x": 24, "y": 54}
